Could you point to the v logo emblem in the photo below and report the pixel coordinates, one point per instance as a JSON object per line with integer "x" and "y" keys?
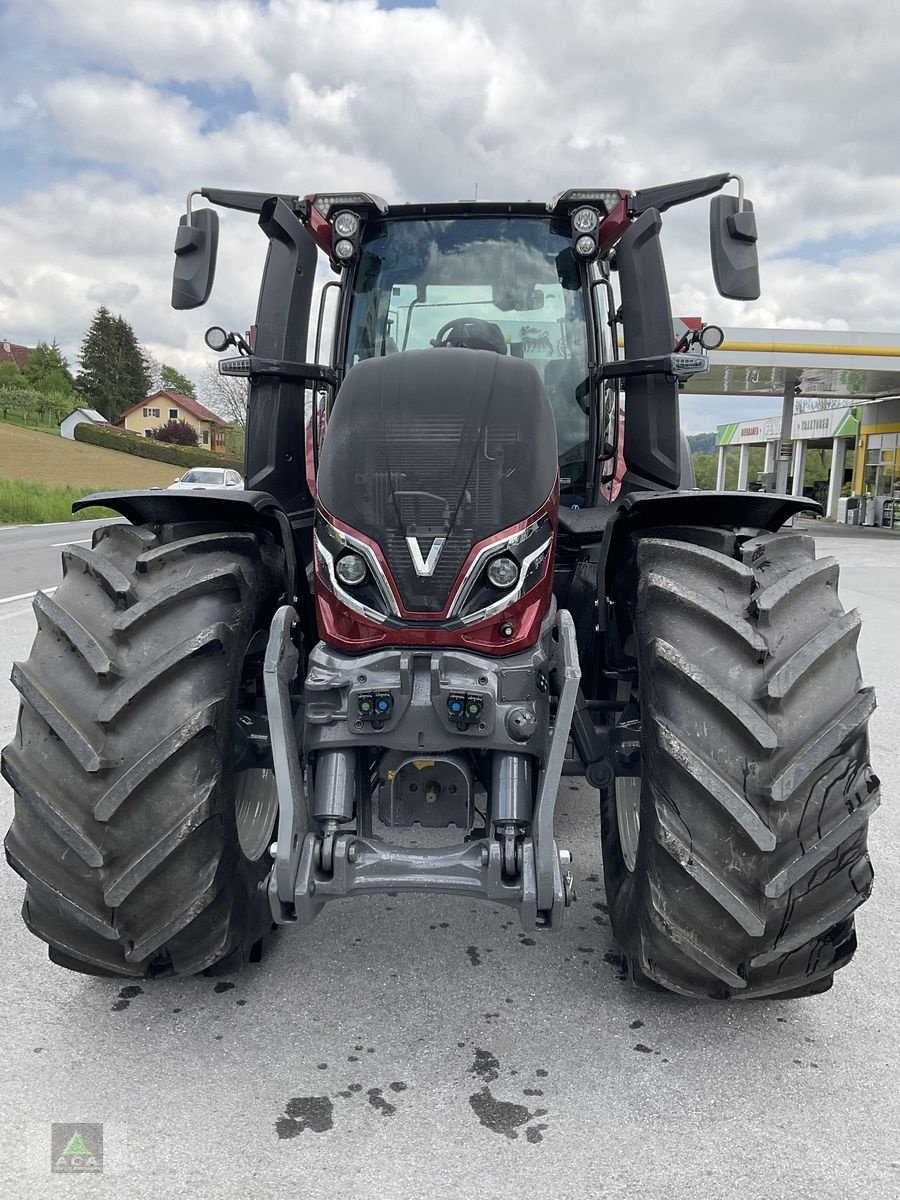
{"x": 425, "y": 566}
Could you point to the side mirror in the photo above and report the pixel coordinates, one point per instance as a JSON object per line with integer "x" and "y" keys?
{"x": 732, "y": 244}
{"x": 196, "y": 243}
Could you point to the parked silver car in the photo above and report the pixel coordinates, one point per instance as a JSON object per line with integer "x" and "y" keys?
{"x": 207, "y": 479}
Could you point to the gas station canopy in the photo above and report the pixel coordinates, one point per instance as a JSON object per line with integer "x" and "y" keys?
{"x": 821, "y": 363}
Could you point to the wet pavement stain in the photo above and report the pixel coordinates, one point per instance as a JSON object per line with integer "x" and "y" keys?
{"x": 642, "y": 1049}
{"x": 535, "y": 1133}
{"x": 225, "y": 986}
{"x": 474, "y": 956}
{"x": 377, "y": 1100}
{"x": 398, "y": 1086}
{"x": 240, "y": 1003}
{"x": 315, "y": 1113}
{"x": 636, "y": 1025}
{"x": 126, "y": 995}
{"x": 542, "y": 1072}
{"x": 486, "y": 1066}
{"x": 504, "y": 1117}
{"x": 527, "y": 941}
{"x": 532, "y": 1092}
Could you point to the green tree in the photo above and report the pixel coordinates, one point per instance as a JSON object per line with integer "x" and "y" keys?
{"x": 113, "y": 373}
{"x": 173, "y": 381}
{"x": 47, "y": 370}
{"x": 10, "y": 375}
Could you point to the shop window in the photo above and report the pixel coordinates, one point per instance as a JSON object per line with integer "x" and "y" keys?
{"x": 205, "y": 437}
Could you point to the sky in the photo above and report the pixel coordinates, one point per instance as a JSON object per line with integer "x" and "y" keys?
{"x": 112, "y": 110}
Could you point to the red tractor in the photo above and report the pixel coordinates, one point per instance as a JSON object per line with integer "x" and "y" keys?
{"x": 495, "y": 573}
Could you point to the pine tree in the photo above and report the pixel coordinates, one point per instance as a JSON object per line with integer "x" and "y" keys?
{"x": 46, "y": 370}
{"x": 113, "y": 373}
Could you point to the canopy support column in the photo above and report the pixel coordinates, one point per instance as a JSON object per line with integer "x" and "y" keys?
{"x": 836, "y": 478}
{"x": 743, "y": 467}
{"x": 720, "y": 469}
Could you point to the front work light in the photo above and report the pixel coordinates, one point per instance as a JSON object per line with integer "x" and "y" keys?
{"x": 350, "y": 569}
{"x": 346, "y": 224}
{"x": 585, "y": 220}
{"x": 503, "y": 571}
{"x": 585, "y": 246}
{"x": 344, "y": 250}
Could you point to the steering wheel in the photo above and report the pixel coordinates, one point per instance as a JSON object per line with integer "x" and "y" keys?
{"x": 471, "y": 333}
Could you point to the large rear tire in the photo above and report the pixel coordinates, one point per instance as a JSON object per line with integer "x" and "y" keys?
{"x": 128, "y": 816}
{"x": 739, "y": 875}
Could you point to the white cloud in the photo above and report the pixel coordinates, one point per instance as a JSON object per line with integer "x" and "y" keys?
{"x": 420, "y": 104}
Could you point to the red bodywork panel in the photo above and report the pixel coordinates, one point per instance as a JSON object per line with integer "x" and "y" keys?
{"x": 347, "y": 630}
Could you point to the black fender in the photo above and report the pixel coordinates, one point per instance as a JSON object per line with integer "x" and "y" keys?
{"x": 609, "y": 541}
{"x": 239, "y": 509}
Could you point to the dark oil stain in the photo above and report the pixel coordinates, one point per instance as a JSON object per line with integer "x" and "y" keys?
{"x": 359, "y": 1047}
{"x": 126, "y": 995}
{"x": 474, "y": 956}
{"x": 592, "y": 879}
{"x": 225, "y": 986}
{"x": 445, "y": 925}
{"x": 240, "y": 1003}
{"x": 355, "y": 1087}
{"x": 636, "y": 1025}
{"x": 491, "y": 1016}
{"x": 600, "y": 906}
{"x": 38, "y": 1049}
{"x": 461, "y": 1044}
{"x": 500, "y": 1116}
{"x": 219, "y": 1037}
{"x": 600, "y": 921}
{"x": 398, "y": 1086}
{"x": 508, "y": 1000}
{"x": 378, "y": 1101}
{"x": 642, "y": 1048}
{"x": 781, "y": 1020}
{"x": 542, "y": 1072}
{"x": 315, "y": 1113}
{"x": 370, "y": 1049}
{"x": 352, "y": 1058}
{"x": 321, "y": 1066}
{"x": 535, "y": 1133}
{"x": 527, "y": 941}
{"x": 176, "y": 1010}
{"x": 514, "y": 1071}
{"x": 532, "y": 1092}
{"x": 585, "y": 949}
{"x": 486, "y": 1065}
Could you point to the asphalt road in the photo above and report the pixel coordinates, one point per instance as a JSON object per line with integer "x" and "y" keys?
{"x": 427, "y": 1048}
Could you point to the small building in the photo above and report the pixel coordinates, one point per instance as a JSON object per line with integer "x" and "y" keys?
{"x": 10, "y": 352}
{"x": 80, "y": 416}
{"x": 168, "y": 405}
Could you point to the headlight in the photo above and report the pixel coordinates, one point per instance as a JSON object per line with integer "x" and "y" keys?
{"x": 584, "y": 220}
{"x": 350, "y": 569}
{"x": 344, "y": 249}
{"x": 503, "y": 572}
{"x": 346, "y": 224}
{"x": 585, "y": 246}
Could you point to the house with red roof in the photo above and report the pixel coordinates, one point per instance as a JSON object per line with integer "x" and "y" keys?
{"x": 168, "y": 405}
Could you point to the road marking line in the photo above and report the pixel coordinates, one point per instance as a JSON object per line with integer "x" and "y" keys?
{"x": 27, "y": 595}
{"x": 73, "y": 542}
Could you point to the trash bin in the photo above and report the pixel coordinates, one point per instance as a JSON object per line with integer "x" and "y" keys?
{"x": 853, "y": 511}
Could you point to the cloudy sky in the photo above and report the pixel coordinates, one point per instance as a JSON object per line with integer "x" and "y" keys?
{"x": 112, "y": 110}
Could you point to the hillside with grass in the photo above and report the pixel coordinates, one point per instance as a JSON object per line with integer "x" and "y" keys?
{"x": 41, "y": 474}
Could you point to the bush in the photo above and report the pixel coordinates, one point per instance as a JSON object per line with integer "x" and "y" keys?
{"x": 128, "y": 443}
{"x": 176, "y": 433}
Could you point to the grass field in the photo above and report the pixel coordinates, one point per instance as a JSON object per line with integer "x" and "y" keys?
{"x": 40, "y": 476}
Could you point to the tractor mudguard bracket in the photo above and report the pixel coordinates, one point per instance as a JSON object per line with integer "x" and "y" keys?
{"x": 279, "y": 669}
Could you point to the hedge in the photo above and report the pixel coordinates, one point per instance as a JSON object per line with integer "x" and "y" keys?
{"x": 144, "y": 447}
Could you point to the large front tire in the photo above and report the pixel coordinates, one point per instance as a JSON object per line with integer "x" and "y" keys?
{"x": 749, "y": 853}
{"x": 126, "y": 826}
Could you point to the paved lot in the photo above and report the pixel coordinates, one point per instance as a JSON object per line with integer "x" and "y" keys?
{"x": 433, "y": 1051}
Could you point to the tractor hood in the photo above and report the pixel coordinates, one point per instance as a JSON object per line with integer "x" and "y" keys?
{"x": 431, "y": 452}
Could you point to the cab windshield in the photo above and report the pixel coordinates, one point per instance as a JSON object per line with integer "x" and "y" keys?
{"x": 507, "y": 283}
